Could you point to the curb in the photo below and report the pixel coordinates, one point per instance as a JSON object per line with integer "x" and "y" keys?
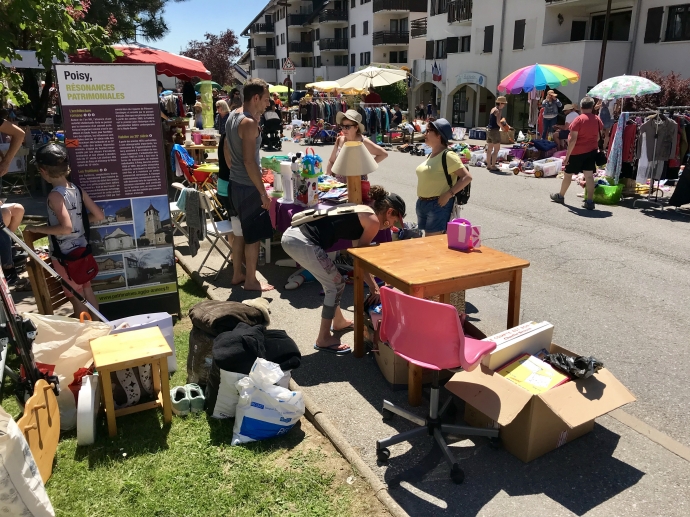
{"x": 322, "y": 423}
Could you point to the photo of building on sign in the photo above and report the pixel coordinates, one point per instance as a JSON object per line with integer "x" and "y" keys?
{"x": 150, "y": 267}
{"x": 107, "y": 280}
{"x": 116, "y": 211}
{"x": 112, "y": 238}
{"x": 110, "y": 263}
{"x": 152, "y": 221}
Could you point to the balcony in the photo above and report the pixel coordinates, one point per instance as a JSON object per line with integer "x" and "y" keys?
{"x": 332, "y": 15}
{"x": 391, "y": 38}
{"x": 263, "y": 28}
{"x": 301, "y": 47}
{"x": 265, "y": 51}
{"x": 418, "y": 28}
{"x": 460, "y": 11}
{"x": 297, "y": 19}
{"x": 326, "y": 44}
{"x": 415, "y": 6}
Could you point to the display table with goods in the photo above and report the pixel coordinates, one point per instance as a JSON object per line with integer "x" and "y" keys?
{"x": 427, "y": 267}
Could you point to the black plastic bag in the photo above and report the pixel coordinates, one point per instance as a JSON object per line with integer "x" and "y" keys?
{"x": 577, "y": 367}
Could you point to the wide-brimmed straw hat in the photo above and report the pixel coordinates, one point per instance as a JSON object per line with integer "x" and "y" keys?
{"x": 501, "y": 100}
{"x": 352, "y": 115}
{"x": 568, "y": 107}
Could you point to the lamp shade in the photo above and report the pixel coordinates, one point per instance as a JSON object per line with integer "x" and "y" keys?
{"x": 354, "y": 160}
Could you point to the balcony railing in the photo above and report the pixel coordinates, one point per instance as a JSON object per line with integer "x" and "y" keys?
{"x": 333, "y": 15}
{"x": 459, "y": 11}
{"x": 304, "y": 47}
{"x": 297, "y": 19}
{"x": 418, "y": 28}
{"x": 265, "y": 51}
{"x": 415, "y": 6}
{"x": 391, "y": 38}
{"x": 263, "y": 28}
{"x": 332, "y": 44}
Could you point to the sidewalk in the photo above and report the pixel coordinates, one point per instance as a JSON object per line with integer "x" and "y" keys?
{"x": 612, "y": 471}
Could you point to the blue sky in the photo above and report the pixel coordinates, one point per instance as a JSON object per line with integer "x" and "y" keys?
{"x": 192, "y": 19}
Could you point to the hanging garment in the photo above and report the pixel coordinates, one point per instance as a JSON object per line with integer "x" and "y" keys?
{"x": 681, "y": 195}
{"x": 643, "y": 162}
{"x": 613, "y": 164}
{"x": 188, "y": 94}
{"x": 663, "y": 148}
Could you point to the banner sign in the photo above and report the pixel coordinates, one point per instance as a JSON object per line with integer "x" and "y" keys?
{"x": 115, "y": 143}
{"x": 471, "y": 78}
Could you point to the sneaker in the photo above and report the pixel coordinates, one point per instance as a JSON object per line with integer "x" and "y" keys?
{"x": 589, "y": 205}
{"x": 180, "y": 401}
{"x": 196, "y": 397}
{"x": 557, "y": 198}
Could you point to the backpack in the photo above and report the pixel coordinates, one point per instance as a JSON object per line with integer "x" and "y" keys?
{"x": 463, "y": 196}
{"x": 309, "y": 216}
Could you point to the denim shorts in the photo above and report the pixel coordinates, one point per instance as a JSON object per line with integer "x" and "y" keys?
{"x": 431, "y": 217}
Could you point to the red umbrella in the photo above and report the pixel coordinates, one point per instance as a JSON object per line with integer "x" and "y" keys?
{"x": 172, "y": 65}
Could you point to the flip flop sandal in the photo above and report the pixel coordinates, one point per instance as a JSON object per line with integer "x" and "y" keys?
{"x": 351, "y": 326}
{"x": 333, "y": 349}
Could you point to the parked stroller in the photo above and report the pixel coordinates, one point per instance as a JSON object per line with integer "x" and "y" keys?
{"x": 270, "y": 131}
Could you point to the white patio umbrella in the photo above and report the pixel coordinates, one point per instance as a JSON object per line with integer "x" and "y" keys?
{"x": 372, "y": 76}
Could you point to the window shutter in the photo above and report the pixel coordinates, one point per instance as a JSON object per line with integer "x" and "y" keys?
{"x": 652, "y": 33}
{"x": 430, "y": 50}
{"x": 489, "y": 38}
{"x": 519, "y": 35}
{"x": 452, "y": 45}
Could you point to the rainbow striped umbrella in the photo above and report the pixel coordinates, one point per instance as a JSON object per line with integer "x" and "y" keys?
{"x": 537, "y": 77}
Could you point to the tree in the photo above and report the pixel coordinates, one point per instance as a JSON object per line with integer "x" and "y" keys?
{"x": 129, "y": 19}
{"x": 218, "y": 53}
{"x": 393, "y": 94}
{"x": 675, "y": 91}
{"x": 53, "y": 29}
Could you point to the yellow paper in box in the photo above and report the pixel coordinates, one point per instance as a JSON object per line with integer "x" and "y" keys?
{"x": 532, "y": 374}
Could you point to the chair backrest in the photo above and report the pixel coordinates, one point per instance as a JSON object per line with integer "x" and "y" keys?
{"x": 427, "y": 333}
{"x": 186, "y": 169}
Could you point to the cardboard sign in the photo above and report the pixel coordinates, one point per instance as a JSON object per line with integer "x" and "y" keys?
{"x": 115, "y": 145}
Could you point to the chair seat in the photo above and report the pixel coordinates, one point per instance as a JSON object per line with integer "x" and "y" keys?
{"x": 222, "y": 228}
{"x": 174, "y": 207}
{"x": 475, "y": 349}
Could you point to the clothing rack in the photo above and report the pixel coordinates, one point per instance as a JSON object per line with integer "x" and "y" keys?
{"x": 374, "y": 105}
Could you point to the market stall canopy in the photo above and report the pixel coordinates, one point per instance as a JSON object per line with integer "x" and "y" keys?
{"x": 214, "y": 85}
{"x": 278, "y": 88}
{"x": 324, "y": 86}
{"x": 624, "y": 86}
{"x": 537, "y": 77}
{"x": 167, "y": 63}
{"x": 372, "y": 76}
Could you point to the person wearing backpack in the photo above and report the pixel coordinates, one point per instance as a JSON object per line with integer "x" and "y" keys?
{"x": 313, "y": 232}
{"x": 68, "y": 225}
{"x": 440, "y": 179}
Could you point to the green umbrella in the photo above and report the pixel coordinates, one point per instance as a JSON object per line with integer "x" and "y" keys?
{"x": 624, "y": 86}
{"x": 213, "y": 84}
{"x": 278, "y": 88}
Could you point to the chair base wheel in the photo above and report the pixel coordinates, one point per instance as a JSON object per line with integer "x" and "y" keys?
{"x": 457, "y": 475}
{"x": 387, "y": 414}
{"x": 383, "y": 455}
{"x": 495, "y": 443}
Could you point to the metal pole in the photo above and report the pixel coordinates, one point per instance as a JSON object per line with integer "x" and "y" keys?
{"x": 604, "y": 41}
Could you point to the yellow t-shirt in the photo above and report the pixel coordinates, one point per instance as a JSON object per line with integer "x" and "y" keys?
{"x": 431, "y": 181}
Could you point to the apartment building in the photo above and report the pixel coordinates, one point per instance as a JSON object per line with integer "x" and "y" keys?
{"x": 476, "y": 44}
{"x": 328, "y": 39}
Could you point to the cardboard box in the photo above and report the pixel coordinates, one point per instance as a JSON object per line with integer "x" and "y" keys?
{"x": 394, "y": 369}
{"x": 527, "y": 338}
{"x": 532, "y": 425}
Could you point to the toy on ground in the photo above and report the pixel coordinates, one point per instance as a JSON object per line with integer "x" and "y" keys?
{"x": 297, "y": 278}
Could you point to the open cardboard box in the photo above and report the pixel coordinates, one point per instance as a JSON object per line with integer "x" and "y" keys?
{"x": 532, "y": 425}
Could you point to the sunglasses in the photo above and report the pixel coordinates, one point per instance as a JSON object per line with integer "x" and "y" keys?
{"x": 347, "y": 126}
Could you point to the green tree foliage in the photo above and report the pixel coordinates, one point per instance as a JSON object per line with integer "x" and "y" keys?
{"x": 393, "y": 94}
{"x": 53, "y": 29}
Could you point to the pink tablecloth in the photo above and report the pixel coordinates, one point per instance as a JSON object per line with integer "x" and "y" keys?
{"x": 281, "y": 216}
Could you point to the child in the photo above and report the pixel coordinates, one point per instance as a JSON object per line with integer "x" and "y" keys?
{"x": 65, "y": 223}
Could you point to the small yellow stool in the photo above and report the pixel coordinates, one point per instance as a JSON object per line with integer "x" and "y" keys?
{"x": 127, "y": 350}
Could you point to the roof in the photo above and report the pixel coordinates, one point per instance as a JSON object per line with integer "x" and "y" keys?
{"x": 118, "y": 232}
{"x": 125, "y": 210}
{"x": 245, "y": 32}
{"x": 151, "y": 207}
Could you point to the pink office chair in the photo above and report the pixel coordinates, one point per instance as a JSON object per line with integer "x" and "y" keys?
{"x": 430, "y": 335}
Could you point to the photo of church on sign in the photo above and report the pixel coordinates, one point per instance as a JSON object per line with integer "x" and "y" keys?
{"x": 152, "y": 221}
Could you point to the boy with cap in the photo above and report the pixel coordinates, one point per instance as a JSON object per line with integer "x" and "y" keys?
{"x": 65, "y": 205}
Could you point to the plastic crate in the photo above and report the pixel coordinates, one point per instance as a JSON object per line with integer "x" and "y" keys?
{"x": 547, "y": 167}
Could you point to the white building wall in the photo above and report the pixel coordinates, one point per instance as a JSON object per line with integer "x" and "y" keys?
{"x": 666, "y": 55}
{"x": 361, "y": 43}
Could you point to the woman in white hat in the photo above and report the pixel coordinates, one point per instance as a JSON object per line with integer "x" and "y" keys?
{"x": 352, "y": 128}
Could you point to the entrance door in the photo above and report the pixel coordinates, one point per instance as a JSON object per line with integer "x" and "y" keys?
{"x": 459, "y": 107}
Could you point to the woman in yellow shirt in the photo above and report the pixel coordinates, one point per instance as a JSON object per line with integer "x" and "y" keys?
{"x": 435, "y": 196}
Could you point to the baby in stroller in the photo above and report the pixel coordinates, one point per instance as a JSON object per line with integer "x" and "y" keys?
{"x": 271, "y": 130}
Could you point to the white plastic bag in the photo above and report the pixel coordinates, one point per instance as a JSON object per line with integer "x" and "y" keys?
{"x": 521, "y": 137}
{"x": 62, "y": 345}
{"x": 228, "y": 396}
{"x": 264, "y": 410}
{"x": 162, "y": 320}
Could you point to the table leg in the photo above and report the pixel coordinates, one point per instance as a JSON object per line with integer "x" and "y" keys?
{"x": 445, "y": 298}
{"x": 107, "y": 391}
{"x": 165, "y": 390}
{"x": 359, "y": 309}
{"x": 514, "y": 293}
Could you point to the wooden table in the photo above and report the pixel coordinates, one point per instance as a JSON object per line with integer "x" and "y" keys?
{"x": 426, "y": 267}
{"x": 197, "y": 151}
{"x": 127, "y": 350}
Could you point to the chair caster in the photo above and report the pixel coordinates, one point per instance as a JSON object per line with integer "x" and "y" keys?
{"x": 456, "y": 474}
{"x": 383, "y": 455}
{"x": 387, "y": 414}
{"x": 495, "y": 443}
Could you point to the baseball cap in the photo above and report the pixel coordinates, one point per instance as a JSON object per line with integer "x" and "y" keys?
{"x": 398, "y": 204}
{"x": 51, "y": 154}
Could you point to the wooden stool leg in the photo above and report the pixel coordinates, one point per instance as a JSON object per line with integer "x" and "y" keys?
{"x": 107, "y": 392}
{"x": 156, "y": 374}
{"x": 165, "y": 390}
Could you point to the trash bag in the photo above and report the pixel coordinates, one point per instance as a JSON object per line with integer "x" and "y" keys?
{"x": 264, "y": 410}
{"x": 576, "y": 367}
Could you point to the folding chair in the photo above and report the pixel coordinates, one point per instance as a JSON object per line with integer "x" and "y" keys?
{"x": 217, "y": 229}
{"x": 176, "y": 215}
